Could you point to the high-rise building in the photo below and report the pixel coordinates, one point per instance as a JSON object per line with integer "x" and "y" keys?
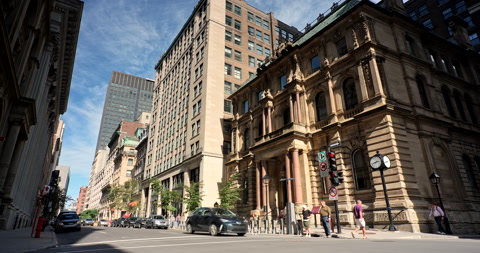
{"x": 81, "y": 200}
{"x": 220, "y": 45}
{"x": 127, "y": 97}
{"x": 63, "y": 181}
{"x": 438, "y": 15}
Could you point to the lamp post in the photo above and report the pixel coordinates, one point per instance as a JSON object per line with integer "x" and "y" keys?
{"x": 266, "y": 181}
{"x": 435, "y": 179}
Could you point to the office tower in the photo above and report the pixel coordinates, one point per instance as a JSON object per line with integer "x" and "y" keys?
{"x": 127, "y": 97}
{"x": 219, "y": 47}
{"x": 444, "y": 17}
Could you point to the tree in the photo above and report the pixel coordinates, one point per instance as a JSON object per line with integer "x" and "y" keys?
{"x": 89, "y": 213}
{"x": 167, "y": 197}
{"x": 229, "y": 192}
{"x": 120, "y": 196}
{"x": 193, "y": 196}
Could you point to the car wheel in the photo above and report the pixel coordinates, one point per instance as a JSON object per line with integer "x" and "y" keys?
{"x": 241, "y": 234}
{"x": 190, "y": 229}
{"x": 213, "y": 230}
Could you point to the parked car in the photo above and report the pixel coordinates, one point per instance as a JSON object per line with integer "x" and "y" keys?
{"x": 103, "y": 223}
{"x": 122, "y": 222}
{"x": 114, "y": 223}
{"x": 140, "y": 223}
{"x": 216, "y": 220}
{"x": 156, "y": 221}
{"x": 67, "y": 221}
{"x": 88, "y": 222}
{"x": 131, "y": 221}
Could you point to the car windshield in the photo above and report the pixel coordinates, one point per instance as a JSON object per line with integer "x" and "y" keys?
{"x": 158, "y": 217}
{"x": 223, "y": 212}
{"x": 68, "y": 216}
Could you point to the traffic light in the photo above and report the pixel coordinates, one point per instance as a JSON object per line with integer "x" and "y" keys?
{"x": 336, "y": 177}
{"x": 340, "y": 177}
{"x": 332, "y": 161}
{"x": 54, "y": 178}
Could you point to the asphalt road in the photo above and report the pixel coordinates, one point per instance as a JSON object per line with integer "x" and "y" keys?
{"x": 105, "y": 240}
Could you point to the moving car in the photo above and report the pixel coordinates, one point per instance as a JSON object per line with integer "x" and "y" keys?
{"x": 102, "y": 223}
{"x": 88, "y": 222}
{"x": 140, "y": 223}
{"x": 216, "y": 220}
{"x": 67, "y": 221}
{"x": 156, "y": 221}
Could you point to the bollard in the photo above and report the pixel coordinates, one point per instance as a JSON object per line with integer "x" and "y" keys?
{"x": 41, "y": 220}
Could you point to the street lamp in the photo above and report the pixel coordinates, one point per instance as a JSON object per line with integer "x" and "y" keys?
{"x": 435, "y": 179}
{"x": 266, "y": 181}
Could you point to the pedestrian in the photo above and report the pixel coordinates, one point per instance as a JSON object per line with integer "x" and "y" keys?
{"x": 281, "y": 220}
{"x": 179, "y": 219}
{"x": 172, "y": 220}
{"x": 306, "y": 220}
{"x": 359, "y": 220}
{"x": 325, "y": 214}
{"x": 438, "y": 215}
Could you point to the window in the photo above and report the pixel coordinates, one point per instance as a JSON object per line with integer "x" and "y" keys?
{"x": 228, "y": 36}
{"x": 238, "y": 40}
{"x": 350, "y": 94}
{"x": 361, "y": 172}
{"x": 471, "y": 112}
{"x": 130, "y": 162}
{"x": 290, "y": 37}
{"x": 246, "y": 139}
{"x": 227, "y": 147}
{"x": 266, "y": 38}
{"x": 447, "y": 13}
{"x": 458, "y": 102}
{"x": 259, "y": 49}
{"x": 251, "y": 61}
{"x": 227, "y": 87}
{"x": 259, "y": 35}
{"x": 198, "y": 126}
{"x": 474, "y": 39}
{"x": 228, "y": 69}
{"x": 258, "y": 21}
{"x": 251, "y": 46}
{"x": 277, "y": 30}
{"x": 341, "y": 47}
{"x": 260, "y": 95}
{"x": 227, "y": 106}
{"x": 238, "y": 56}
{"x": 287, "y": 119}
{"x": 237, "y": 87}
{"x": 267, "y": 52}
{"x": 238, "y": 25}
{"x": 422, "y": 10}
{"x": 259, "y": 62}
{"x": 470, "y": 173}
{"x": 321, "y": 106}
{"x": 228, "y": 6}
{"x": 250, "y": 17}
{"x": 283, "y": 82}
{"x": 245, "y": 106}
{"x": 448, "y": 102}
{"x": 251, "y": 31}
{"x": 440, "y": 2}
{"x": 410, "y": 45}
{"x": 413, "y": 15}
{"x": 266, "y": 24}
{"x": 238, "y": 10}
{"x": 468, "y": 19}
{"x": 422, "y": 92}
{"x": 228, "y": 20}
{"x": 428, "y": 23}
{"x": 228, "y": 52}
{"x": 460, "y": 6}
{"x": 193, "y": 130}
{"x": 315, "y": 63}
{"x": 237, "y": 73}
{"x": 194, "y": 110}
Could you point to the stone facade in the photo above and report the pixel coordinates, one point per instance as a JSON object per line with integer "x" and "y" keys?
{"x": 373, "y": 80}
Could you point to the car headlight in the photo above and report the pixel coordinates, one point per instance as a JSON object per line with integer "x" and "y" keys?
{"x": 60, "y": 223}
{"x": 224, "y": 220}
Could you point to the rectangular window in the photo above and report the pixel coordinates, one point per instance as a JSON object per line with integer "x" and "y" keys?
{"x": 266, "y": 24}
{"x": 238, "y": 56}
{"x": 413, "y": 15}
{"x": 130, "y": 162}
{"x": 228, "y": 36}
{"x": 277, "y": 30}
{"x": 341, "y": 47}
{"x": 228, "y": 52}
{"x": 228, "y": 69}
{"x": 428, "y": 23}
{"x": 251, "y": 31}
{"x": 238, "y": 40}
{"x": 194, "y": 110}
{"x": 198, "y": 127}
{"x": 259, "y": 62}
{"x": 227, "y": 106}
{"x": 251, "y": 46}
{"x": 228, "y": 20}
{"x": 474, "y": 39}
{"x": 199, "y": 105}
{"x": 440, "y": 2}
{"x": 468, "y": 19}
{"x": 251, "y": 61}
{"x": 228, "y": 6}
{"x": 238, "y": 10}
{"x": 447, "y": 13}
{"x": 227, "y": 87}
{"x": 245, "y": 106}
{"x": 193, "y": 130}
{"x": 258, "y": 21}
{"x": 237, "y": 73}
{"x": 250, "y": 17}
{"x": 315, "y": 63}
{"x": 290, "y": 37}
{"x": 259, "y": 35}
{"x": 422, "y": 10}
{"x": 260, "y": 95}
{"x": 284, "y": 34}
{"x": 238, "y": 25}
{"x": 267, "y": 52}
{"x": 460, "y": 6}
{"x": 266, "y": 38}
{"x": 283, "y": 82}
{"x": 259, "y": 49}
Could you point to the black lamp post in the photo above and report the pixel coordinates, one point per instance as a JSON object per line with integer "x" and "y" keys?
{"x": 266, "y": 181}
{"x": 435, "y": 179}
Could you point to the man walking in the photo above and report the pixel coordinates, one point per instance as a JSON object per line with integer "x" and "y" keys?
{"x": 325, "y": 214}
{"x": 306, "y": 220}
{"x": 359, "y": 220}
{"x": 439, "y": 215}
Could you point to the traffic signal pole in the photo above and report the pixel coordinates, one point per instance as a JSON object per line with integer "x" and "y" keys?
{"x": 332, "y": 163}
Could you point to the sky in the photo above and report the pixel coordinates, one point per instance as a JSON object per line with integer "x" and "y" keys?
{"x": 129, "y": 36}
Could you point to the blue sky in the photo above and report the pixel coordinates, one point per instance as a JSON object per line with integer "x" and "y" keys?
{"x": 129, "y": 36}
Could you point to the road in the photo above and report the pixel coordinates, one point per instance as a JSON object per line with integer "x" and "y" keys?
{"x": 106, "y": 240}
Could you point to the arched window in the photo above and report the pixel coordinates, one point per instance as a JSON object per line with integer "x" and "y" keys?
{"x": 286, "y": 117}
{"x": 448, "y": 102}
{"x": 470, "y": 173}
{"x": 321, "y": 106}
{"x": 471, "y": 112}
{"x": 350, "y": 94}
{"x": 458, "y": 101}
{"x": 246, "y": 139}
{"x": 422, "y": 92}
{"x": 361, "y": 173}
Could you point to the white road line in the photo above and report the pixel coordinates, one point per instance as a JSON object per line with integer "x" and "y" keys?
{"x": 170, "y": 245}
{"x": 136, "y": 240}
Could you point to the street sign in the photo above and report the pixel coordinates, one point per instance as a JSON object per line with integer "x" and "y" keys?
{"x": 333, "y": 193}
{"x": 322, "y": 156}
{"x": 315, "y": 209}
{"x": 323, "y": 169}
{"x": 335, "y": 144}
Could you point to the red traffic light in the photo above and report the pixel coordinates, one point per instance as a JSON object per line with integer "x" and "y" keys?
{"x": 331, "y": 154}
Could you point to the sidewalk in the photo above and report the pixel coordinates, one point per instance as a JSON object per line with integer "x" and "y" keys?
{"x": 19, "y": 240}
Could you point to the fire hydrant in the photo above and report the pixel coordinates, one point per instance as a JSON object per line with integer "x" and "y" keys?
{"x": 41, "y": 220}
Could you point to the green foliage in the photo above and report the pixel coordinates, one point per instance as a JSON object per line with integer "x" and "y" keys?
{"x": 89, "y": 213}
{"x": 229, "y": 192}
{"x": 120, "y": 196}
{"x": 193, "y": 196}
{"x": 169, "y": 198}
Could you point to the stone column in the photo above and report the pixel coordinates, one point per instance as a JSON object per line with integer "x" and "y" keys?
{"x": 259, "y": 185}
{"x": 7, "y": 153}
{"x": 299, "y": 114}
{"x": 296, "y": 174}
{"x": 288, "y": 174}
{"x": 291, "y": 108}
{"x": 264, "y": 123}
{"x": 269, "y": 119}
{"x": 264, "y": 172}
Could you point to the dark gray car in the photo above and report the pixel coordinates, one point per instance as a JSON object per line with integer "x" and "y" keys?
{"x": 67, "y": 221}
{"x": 216, "y": 220}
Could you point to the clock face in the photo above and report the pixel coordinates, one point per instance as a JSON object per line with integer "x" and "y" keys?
{"x": 375, "y": 162}
{"x": 386, "y": 161}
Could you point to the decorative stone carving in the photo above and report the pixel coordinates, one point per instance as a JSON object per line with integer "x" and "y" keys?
{"x": 366, "y": 32}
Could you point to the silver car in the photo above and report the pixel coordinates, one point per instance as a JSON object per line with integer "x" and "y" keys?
{"x": 156, "y": 221}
